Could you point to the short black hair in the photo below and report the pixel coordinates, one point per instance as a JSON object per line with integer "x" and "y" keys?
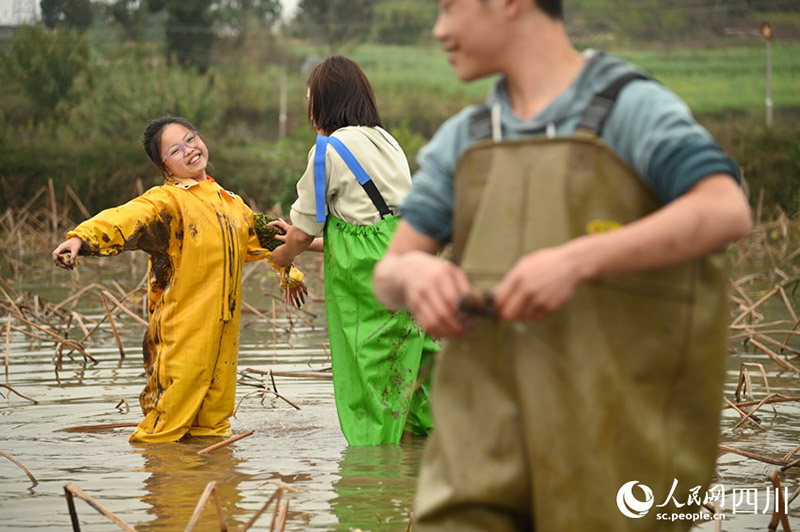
{"x": 553, "y": 8}
{"x": 340, "y": 95}
{"x": 151, "y": 138}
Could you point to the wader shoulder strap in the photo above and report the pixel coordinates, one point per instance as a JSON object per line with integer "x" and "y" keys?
{"x": 595, "y": 114}
{"x": 593, "y": 118}
{"x": 319, "y": 175}
{"x": 354, "y": 166}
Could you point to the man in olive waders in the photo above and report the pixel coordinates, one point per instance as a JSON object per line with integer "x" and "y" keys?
{"x": 593, "y": 211}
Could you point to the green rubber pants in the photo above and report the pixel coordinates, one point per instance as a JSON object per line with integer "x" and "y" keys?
{"x": 376, "y": 353}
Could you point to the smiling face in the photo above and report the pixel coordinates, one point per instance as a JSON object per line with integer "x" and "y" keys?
{"x": 183, "y": 152}
{"x": 471, "y": 32}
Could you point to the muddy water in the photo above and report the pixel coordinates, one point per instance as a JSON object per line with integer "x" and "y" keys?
{"x": 156, "y": 487}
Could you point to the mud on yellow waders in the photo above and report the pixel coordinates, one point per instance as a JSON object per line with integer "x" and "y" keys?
{"x": 376, "y": 354}
{"x": 539, "y": 425}
{"x": 198, "y": 238}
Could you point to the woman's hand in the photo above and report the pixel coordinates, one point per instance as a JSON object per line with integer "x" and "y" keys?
{"x": 283, "y": 225}
{"x": 65, "y": 255}
{"x": 297, "y": 296}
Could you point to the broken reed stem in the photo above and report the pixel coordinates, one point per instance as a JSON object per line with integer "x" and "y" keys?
{"x": 794, "y": 328}
{"x": 220, "y": 516}
{"x": 113, "y": 327}
{"x": 9, "y": 388}
{"x": 755, "y": 305}
{"x": 753, "y": 411}
{"x": 74, "y": 345}
{"x": 19, "y": 464}
{"x": 124, "y": 309}
{"x": 92, "y": 428}
{"x": 210, "y": 487}
{"x": 744, "y": 414}
{"x": 312, "y": 374}
{"x": 279, "y": 484}
{"x": 777, "y": 399}
{"x": 247, "y": 306}
{"x": 792, "y": 453}
{"x": 8, "y": 346}
{"x": 278, "y": 498}
{"x": 767, "y": 339}
{"x": 73, "y": 489}
{"x": 225, "y": 443}
{"x": 751, "y": 454}
{"x": 258, "y": 514}
{"x": 282, "y": 514}
{"x": 779, "y": 360}
{"x": 262, "y": 392}
{"x": 779, "y": 515}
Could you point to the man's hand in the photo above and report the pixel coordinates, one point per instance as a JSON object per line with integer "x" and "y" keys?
{"x": 539, "y": 284}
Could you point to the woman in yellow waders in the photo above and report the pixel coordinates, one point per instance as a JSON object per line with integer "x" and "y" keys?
{"x": 350, "y": 193}
{"x": 198, "y": 236}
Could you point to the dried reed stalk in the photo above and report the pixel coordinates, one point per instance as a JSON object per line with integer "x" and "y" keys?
{"x": 19, "y": 464}
{"x": 225, "y": 443}
{"x": 9, "y": 388}
{"x": 72, "y": 489}
{"x": 93, "y": 428}
{"x": 8, "y": 346}
{"x": 278, "y": 498}
{"x": 263, "y": 509}
{"x": 280, "y": 522}
{"x": 279, "y": 484}
{"x": 744, "y": 414}
{"x": 778, "y": 398}
{"x": 74, "y": 345}
{"x": 124, "y": 309}
{"x": 779, "y": 360}
{"x": 113, "y": 328}
{"x": 210, "y": 487}
{"x": 751, "y": 454}
{"x": 779, "y": 515}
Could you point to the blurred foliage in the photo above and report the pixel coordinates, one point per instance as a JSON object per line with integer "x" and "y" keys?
{"x": 334, "y": 23}
{"x": 77, "y": 14}
{"x": 46, "y": 63}
{"x": 402, "y": 21}
{"x": 74, "y": 106}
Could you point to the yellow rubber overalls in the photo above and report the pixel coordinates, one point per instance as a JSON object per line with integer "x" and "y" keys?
{"x": 198, "y": 237}
{"x": 539, "y": 425}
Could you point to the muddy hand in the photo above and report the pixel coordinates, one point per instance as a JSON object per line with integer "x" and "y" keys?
{"x": 283, "y": 225}
{"x": 66, "y": 254}
{"x": 297, "y": 296}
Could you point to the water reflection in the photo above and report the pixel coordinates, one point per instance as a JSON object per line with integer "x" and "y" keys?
{"x": 177, "y": 478}
{"x": 376, "y": 485}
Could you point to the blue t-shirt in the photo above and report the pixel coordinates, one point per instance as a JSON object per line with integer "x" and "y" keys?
{"x": 649, "y": 127}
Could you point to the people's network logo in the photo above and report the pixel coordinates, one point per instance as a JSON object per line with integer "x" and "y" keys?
{"x": 629, "y": 504}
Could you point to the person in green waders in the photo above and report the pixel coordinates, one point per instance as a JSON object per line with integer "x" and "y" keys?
{"x": 357, "y": 176}
{"x": 588, "y": 214}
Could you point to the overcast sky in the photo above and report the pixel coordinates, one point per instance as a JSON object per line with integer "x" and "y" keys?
{"x": 7, "y": 14}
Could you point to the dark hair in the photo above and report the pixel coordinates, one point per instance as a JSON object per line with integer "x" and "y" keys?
{"x": 340, "y": 95}
{"x": 552, "y": 8}
{"x": 151, "y": 138}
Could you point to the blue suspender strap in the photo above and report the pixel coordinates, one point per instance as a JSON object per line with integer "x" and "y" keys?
{"x": 361, "y": 175}
{"x": 351, "y": 162}
{"x": 319, "y": 176}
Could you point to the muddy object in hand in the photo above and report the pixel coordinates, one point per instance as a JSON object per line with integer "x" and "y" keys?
{"x": 477, "y": 304}
{"x": 266, "y": 233}
{"x": 65, "y": 258}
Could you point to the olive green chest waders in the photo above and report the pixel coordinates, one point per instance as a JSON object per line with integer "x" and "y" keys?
{"x": 376, "y": 354}
{"x": 539, "y": 425}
